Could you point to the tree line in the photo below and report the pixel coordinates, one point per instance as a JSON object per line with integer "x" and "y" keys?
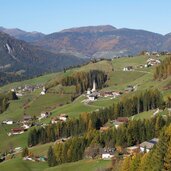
{"x": 84, "y": 80}
{"x": 164, "y": 69}
{"x": 4, "y": 100}
{"x": 129, "y": 134}
{"x": 156, "y": 160}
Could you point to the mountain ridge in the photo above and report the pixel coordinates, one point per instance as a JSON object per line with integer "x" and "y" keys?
{"x": 25, "y": 60}
{"x": 94, "y": 41}
{"x": 23, "y": 35}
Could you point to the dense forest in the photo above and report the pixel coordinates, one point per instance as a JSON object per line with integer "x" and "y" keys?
{"x": 4, "y": 100}
{"x": 82, "y": 80}
{"x": 156, "y": 160}
{"x": 126, "y": 135}
{"x": 164, "y": 70}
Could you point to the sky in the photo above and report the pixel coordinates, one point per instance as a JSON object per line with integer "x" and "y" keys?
{"x": 49, "y": 16}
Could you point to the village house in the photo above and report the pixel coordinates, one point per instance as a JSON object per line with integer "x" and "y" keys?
{"x": 27, "y": 118}
{"x": 60, "y": 118}
{"x": 129, "y": 88}
{"x": 18, "y": 94}
{"x": 43, "y": 92}
{"x": 63, "y": 117}
{"x": 18, "y": 149}
{"x": 116, "y": 94}
{"x": 106, "y": 94}
{"x": 93, "y": 96}
{"x": 147, "y": 53}
{"x": 62, "y": 140}
{"x": 107, "y": 153}
{"x": 152, "y": 61}
{"x": 35, "y": 158}
{"x": 8, "y": 122}
{"x": 44, "y": 115}
{"x": 16, "y": 131}
{"x": 26, "y": 127}
{"x": 133, "y": 150}
{"x": 128, "y": 68}
{"x": 104, "y": 128}
{"x": 119, "y": 121}
{"x": 146, "y": 146}
{"x": 55, "y": 120}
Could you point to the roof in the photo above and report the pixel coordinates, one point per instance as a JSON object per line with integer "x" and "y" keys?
{"x": 110, "y": 151}
{"x": 122, "y": 119}
{"x": 27, "y": 117}
{"x": 17, "y": 129}
{"x": 132, "y": 148}
{"x": 147, "y": 145}
{"x": 63, "y": 115}
{"x": 104, "y": 128}
{"x": 154, "y": 140}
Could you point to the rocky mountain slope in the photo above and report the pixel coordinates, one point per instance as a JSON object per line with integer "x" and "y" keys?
{"x": 24, "y": 60}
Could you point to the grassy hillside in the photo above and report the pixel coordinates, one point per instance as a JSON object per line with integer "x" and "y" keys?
{"x": 60, "y": 102}
{"x": 84, "y": 165}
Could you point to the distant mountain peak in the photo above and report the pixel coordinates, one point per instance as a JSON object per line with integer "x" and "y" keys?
{"x": 92, "y": 29}
{"x": 23, "y": 35}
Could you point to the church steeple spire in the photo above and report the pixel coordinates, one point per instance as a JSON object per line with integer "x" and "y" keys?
{"x": 94, "y": 86}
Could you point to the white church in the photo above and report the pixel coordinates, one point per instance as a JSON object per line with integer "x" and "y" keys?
{"x": 92, "y": 94}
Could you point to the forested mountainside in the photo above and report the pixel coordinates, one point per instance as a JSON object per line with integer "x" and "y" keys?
{"x": 104, "y": 41}
{"x": 23, "y": 35}
{"x": 19, "y": 60}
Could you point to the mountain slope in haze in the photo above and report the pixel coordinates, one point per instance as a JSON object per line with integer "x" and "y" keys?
{"x": 102, "y": 41}
{"x": 23, "y": 35}
{"x": 167, "y": 42}
{"x": 19, "y": 59}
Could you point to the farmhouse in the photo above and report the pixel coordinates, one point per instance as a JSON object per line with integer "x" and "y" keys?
{"x": 148, "y": 145}
{"x": 116, "y": 94}
{"x": 19, "y": 94}
{"x": 128, "y": 68}
{"x": 113, "y": 94}
{"x": 27, "y": 118}
{"x": 55, "y": 120}
{"x": 104, "y": 128}
{"x": 93, "y": 96}
{"x": 17, "y": 131}
{"x": 43, "y": 92}
{"x": 60, "y": 118}
{"x": 45, "y": 115}
{"x": 107, "y": 153}
{"x": 26, "y": 126}
{"x": 107, "y": 94}
{"x": 119, "y": 121}
{"x": 8, "y": 122}
{"x": 151, "y": 62}
{"x": 129, "y": 88}
{"x": 132, "y": 150}
{"x": 63, "y": 117}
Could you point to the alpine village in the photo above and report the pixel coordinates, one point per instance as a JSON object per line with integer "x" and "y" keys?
{"x": 92, "y": 98}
